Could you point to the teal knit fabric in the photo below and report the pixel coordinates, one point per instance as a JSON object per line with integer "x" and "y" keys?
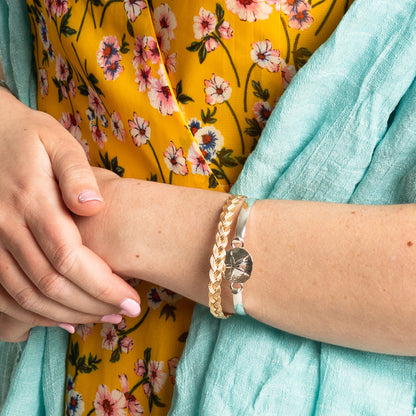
{"x": 344, "y": 131}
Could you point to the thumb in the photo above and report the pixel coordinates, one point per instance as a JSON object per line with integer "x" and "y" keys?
{"x": 74, "y": 174}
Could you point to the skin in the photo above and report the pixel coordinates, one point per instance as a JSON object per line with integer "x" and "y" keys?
{"x": 336, "y": 273}
{"x": 47, "y": 276}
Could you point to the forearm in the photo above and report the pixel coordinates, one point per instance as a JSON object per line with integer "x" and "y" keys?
{"x": 337, "y": 273}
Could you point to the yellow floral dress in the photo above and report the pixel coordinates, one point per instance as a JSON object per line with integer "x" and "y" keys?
{"x": 175, "y": 92}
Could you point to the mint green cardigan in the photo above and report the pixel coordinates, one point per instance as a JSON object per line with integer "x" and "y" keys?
{"x": 345, "y": 131}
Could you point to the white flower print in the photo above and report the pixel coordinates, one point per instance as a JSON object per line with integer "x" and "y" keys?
{"x": 134, "y": 8}
{"x": 175, "y": 160}
{"x": 217, "y": 90}
{"x": 156, "y": 374}
{"x": 165, "y": 20}
{"x": 139, "y": 130}
{"x": 265, "y": 56}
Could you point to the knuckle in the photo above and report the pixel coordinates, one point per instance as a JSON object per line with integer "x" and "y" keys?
{"x": 104, "y": 292}
{"x": 27, "y": 298}
{"x": 51, "y": 285}
{"x": 64, "y": 259}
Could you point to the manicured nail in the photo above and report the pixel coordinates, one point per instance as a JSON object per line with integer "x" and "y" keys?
{"x": 88, "y": 196}
{"x": 130, "y": 308}
{"x": 69, "y": 328}
{"x": 112, "y": 319}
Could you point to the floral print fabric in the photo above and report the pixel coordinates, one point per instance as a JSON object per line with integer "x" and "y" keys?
{"x": 168, "y": 91}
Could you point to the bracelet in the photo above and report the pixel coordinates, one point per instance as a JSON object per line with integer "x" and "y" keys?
{"x": 238, "y": 261}
{"x": 217, "y": 260}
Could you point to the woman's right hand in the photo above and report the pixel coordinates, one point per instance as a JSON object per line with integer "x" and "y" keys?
{"x": 47, "y": 276}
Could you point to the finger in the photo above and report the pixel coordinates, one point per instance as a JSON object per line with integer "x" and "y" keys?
{"x": 77, "y": 182}
{"x": 25, "y": 302}
{"x": 60, "y": 241}
{"x": 8, "y": 306}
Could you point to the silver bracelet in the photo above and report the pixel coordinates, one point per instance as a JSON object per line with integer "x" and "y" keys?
{"x": 238, "y": 261}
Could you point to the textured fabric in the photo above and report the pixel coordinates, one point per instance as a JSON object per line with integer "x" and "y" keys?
{"x": 348, "y": 92}
{"x": 184, "y": 75}
{"x": 342, "y": 132}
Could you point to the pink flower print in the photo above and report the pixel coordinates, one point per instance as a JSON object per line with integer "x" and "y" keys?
{"x": 172, "y": 364}
{"x": 72, "y": 88}
{"x": 99, "y": 136}
{"x": 204, "y": 24}
{"x": 109, "y": 404}
{"x": 50, "y": 7}
{"x": 165, "y": 20}
{"x": 64, "y": 91}
{"x": 43, "y": 82}
{"x": 117, "y": 126}
{"x": 71, "y": 123}
{"x": 292, "y": 6}
{"x": 265, "y": 56}
{"x": 62, "y": 70}
{"x": 301, "y": 19}
{"x": 140, "y": 368}
{"x": 139, "y": 130}
{"x": 170, "y": 62}
{"x": 225, "y": 30}
{"x": 122, "y": 325}
{"x": 61, "y": 7}
{"x": 217, "y": 90}
{"x": 134, "y": 8}
{"x": 95, "y": 102}
{"x": 288, "y": 72}
{"x": 163, "y": 42}
{"x": 144, "y": 78}
{"x": 140, "y": 54}
{"x": 74, "y": 404}
{"x": 156, "y": 374}
{"x": 249, "y": 10}
{"x": 160, "y": 95}
{"x": 126, "y": 344}
{"x": 147, "y": 389}
{"x": 110, "y": 338}
{"x": 211, "y": 44}
{"x": 135, "y": 409}
{"x": 262, "y": 111}
{"x": 275, "y": 3}
{"x": 83, "y": 330}
{"x": 153, "y": 50}
{"x": 175, "y": 160}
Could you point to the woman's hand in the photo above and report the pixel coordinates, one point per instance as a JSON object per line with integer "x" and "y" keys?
{"x": 47, "y": 276}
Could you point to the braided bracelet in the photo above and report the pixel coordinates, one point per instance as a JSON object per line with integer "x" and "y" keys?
{"x": 217, "y": 260}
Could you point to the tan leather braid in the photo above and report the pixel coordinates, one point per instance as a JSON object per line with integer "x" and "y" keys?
{"x": 217, "y": 270}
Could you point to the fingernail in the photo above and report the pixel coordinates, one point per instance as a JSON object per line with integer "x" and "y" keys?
{"x": 88, "y": 196}
{"x": 112, "y": 319}
{"x": 130, "y": 308}
{"x": 69, "y": 328}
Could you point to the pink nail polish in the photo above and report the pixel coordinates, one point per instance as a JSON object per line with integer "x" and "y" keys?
{"x": 112, "y": 319}
{"x": 88, "y": 196}
{"x": 130, "y": 308}
{"x": 68, "y": 327}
